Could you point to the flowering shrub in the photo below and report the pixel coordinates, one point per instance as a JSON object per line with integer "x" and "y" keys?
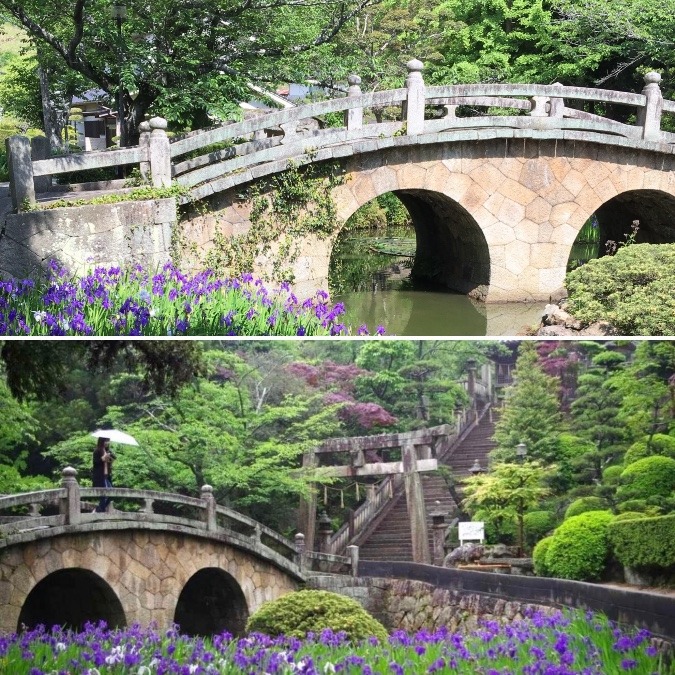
{"x": 559, "y": 644}
{"x": 113, "y": 301}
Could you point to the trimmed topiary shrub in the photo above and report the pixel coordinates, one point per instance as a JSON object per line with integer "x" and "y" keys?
{"x": 585, "y": 504}
{"x": 537, "y": 524}
{"x": 580, "y": 547}
{"x": 539, "y": 557}
{"x": 296, "y": 614}
{"x": 660, "y": 444}
{"x": 612, "y": 474}
{"x": 647, "y": 542}
{"x": 632, "y": 290}
{"x": 628, "y": 515}
{"x": 648, "y": 477}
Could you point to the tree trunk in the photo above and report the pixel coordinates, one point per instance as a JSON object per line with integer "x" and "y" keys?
{"x": 48, "y": 113}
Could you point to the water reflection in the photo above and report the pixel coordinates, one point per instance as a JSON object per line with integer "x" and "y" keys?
{"x": 377, "y": 290}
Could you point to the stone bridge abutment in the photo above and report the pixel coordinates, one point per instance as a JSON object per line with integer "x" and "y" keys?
{"x": 127, "y": 575}
{"x": 495, "y": 218}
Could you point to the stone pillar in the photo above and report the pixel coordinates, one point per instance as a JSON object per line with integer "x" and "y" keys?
{"x": 21, "y": 185}
{"x": 160, "y": 153}
{"x": 353, "y": 555}
{"x": 438, "y": 535}
{"x": 325, "y": 528}
{"x": 557, "y": 105}
{"x": 649, "y": 117}
{"x": 415, "y": 502}
{"x": 39, "y": 149}
{"x": 307, "y": 508}
{"x": 370, "y": 493}
{"x": 70, "y": 506}
{"x": 210, "y": 508}
{"x": 414, "y": 105}
{"x": 301, "y": 561}
{"x": 144, "y": 145}
{"x": 354, "y": 116}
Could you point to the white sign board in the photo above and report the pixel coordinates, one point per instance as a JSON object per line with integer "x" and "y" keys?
{"x": 471, "y": 532}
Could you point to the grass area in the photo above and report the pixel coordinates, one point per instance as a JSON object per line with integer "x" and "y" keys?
{"x": 11, "y": 43}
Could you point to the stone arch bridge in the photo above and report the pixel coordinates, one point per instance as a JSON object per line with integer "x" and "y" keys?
{"x": 498, "y": 179}
{"x": 172, "y": 559}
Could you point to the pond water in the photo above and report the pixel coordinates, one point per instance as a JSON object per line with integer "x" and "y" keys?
{"x": 377, "y": 290}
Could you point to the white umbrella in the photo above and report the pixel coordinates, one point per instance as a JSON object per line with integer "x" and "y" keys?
{"x": 115, "y": 436}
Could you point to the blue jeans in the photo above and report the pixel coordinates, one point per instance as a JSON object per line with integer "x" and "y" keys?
{"x": 103, "y": 504}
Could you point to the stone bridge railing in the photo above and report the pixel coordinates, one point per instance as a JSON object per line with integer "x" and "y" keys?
{"x": 50, "y": 511}
{"x": 264, "y": 144}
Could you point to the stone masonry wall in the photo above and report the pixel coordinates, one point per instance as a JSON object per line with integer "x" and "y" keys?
{"x": 410, "y": 605}
{"x": 528, "y": 200}
{"x": 146, "y": 570}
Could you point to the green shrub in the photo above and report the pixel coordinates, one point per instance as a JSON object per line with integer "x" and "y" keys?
{"x": 612, "y": 474}
{"x": 299, "y": 613}
{"x": 580, "y": 547}
{"x": 585, "y": 504}
{"x": 639, "y": 506}
{"x": 660, "y": 444}
{"x": 537, "y": 524}
{"x": 648, "y": 477}
{"x": 632, "y": 290}
{"x": 647, "y": 542}
{"x": 628, "y": 515}
{"x": 539, "y": 557}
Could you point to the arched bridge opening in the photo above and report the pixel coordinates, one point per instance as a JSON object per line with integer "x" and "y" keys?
{"x": 211, "y": 602}
{"x": 451, "y": 251}
{"x": 70, "y": 598}
{"x": 451, "y": 248}
{"x": 654, "y": 211}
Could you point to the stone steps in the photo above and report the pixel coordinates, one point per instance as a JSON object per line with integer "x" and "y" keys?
{"x": 392, "y": 540}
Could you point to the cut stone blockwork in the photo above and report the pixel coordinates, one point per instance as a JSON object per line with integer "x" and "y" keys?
{"x": 146, "y": 570}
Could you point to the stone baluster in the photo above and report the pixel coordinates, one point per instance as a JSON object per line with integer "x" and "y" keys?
{"x": 354, "y": 116}
{"x": 353, "y": 555}
{"x": 34, "y": 510}
{"x": 413, "y": 114}
{"x": 21, "y": 180}
{"x": 300, "y": 545}
{"x": 70, "y": 506}
{"x": 649, "y": 117}
{"x": 290, "y": 130}
{"x": 370, "y": 493}
{"x": 160, "y": 153}
{"x": 556, "y": 103}
{"x": 144, "y": 145}
{"x": 148, "y": 505}
{"x": 538, "y": 106}
{"x": 210, "y": 507}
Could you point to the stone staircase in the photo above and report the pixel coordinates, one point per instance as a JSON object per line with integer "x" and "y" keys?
{"x": 389, "y": 536}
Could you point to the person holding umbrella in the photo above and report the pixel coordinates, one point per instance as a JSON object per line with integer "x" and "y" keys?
{"x": 103, "y": 458}
{"x": 102, "y": 470}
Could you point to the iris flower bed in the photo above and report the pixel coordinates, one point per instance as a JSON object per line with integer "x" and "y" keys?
{"x": 113, "y": 301}
{"x": 559, "y": 644}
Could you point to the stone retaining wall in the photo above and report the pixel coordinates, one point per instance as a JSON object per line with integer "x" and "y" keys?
{"x": 124, "y": 233}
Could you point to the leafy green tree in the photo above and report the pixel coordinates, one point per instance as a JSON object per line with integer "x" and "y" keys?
{"x": 182, "y": 60}
{"x": 507, "y": 492}
{"x": 531, "y": 412}
{"x": 595, "y": 413}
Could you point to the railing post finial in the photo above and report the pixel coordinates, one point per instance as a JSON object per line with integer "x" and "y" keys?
{"x": 300, "y": 546}
{"x": 649, "y": 117}
{"x": 70, "y": 506}
{"x": 354, "y": 116}
{"x": 414, "y": 105}
{"x": 160, "y": 153}
{"x": 207, "y": 496}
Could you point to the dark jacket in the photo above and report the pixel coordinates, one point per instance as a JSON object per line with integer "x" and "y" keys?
{"x": 98, "y": 469}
